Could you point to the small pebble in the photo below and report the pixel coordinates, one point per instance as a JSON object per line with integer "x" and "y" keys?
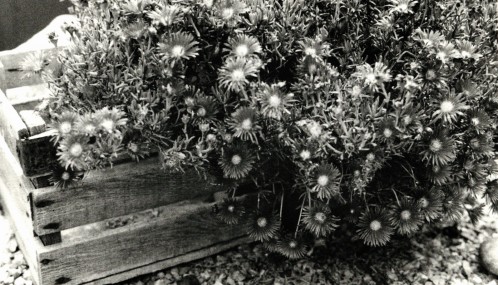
{"x": 12, "y": 245}
{"x": 160, "y": 282}
{"x": 20, "y": 281}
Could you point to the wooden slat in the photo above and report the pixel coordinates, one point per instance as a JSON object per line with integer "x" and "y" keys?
{"x": 198, "y": 254}
{"x": 101, "y": 252}
{"x": 14, "y": 192}
{"x": 12, "y": 128}
{"x": 111, "y": 192}
{"x": 33, "y": 121}
{"x": 36, "y": 155}
{"x": 12, "y": 60}
{"x": 28, "y": 97}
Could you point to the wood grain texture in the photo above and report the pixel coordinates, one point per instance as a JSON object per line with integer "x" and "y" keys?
{"x": 14, "y": 191}
{"x": 28, "y": 97}
{"x": 36, "y": 155}
{"x": 112, "y": 192}
{"x": 180, "y": 229}
{"x": 198, "y": 254}
{"x": 33, "y": 121}
{"x": 12, "y": 61}
{"x": 12, "y": 128}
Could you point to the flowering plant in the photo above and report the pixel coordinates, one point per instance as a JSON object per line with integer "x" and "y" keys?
{"x": 378, "y": 113}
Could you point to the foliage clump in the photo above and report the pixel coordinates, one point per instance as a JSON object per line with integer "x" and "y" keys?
{"x": 379, "y": 113}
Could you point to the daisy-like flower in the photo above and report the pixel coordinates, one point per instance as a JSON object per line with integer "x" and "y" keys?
{"x": 466, "y": 50}
{"x": 235, "y": 73}
{"x": 87, "y": 124}
{"x": 430, "y": 203}
{"x": 110, "y": 119}
{"x": 274, "y": 103}
{"x": 137, "y": 151}
{"x": 244, "y": 124}
{"x": 34, "y": 64}
{"x": 72, "y": 152}
{"x": 264, "y": 227}
{"x": 428, "y": 38}
{"x": 326, "y": 182}
{"x": 408, "y": 82}
{"x": 406, "y": 217}
{"x": 491, "y": 192}
{"x": 482, "y": 146}
{"x": 205, "y": 109}
{"x": 318, "y": 220}
{"x": 135, "y": 30}
{"x": 230, "y": 211}
{"x": 445, "y": 51}
{"x": 453, "y": 205}
{"x": 244, "y": 46}
{"x": 63, "y": 124}
{"x": 292, "y": 247}
{"x": 228, "y": 11}
{"x": 387, "y": 130}
{"x": 314, "y": 48}
{"x": 450, "y": 108}
{"x": 374, "y": 227}
{"x": 479, "y": 120}
{"x": 439, "y": 148}
{"x": 440, "y": 175}
{"x": 167, "y": 16}
{"x": 402, "y": 6}
{"x": 65, "y": 177}
{"x": 179, "y": 45}
{"x": 385, "y": 23}
{"x": 236, "y": 161}
{"x": 373, "y": 77}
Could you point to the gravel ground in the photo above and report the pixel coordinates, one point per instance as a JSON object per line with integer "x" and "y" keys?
{"x": 441, "y": 255}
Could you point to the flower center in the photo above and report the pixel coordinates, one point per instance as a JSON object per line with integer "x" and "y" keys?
{"x": 475, "y": 121}
{"x": 475, "y": 143}
{"x": 242, "y": 50}
{"x": 310, "y": 51}
{"x": 375, "y": 225}
{"x": 201, "y": 112}
{"x": 228, "y": 13}
{"x": 424, "y": 203}
{"x": 323, "y": 180}
{"x": 431, "y": 75}
{"x": 76, "y": 150}
{"x": 305, "y": 154}
{"x": 65, "y": 176}
{"x": 236, "y": 159}
{"x": 231, "y": 208}
{"x": 436, "y": 145}
{"x": 274, "y": 101}
{"x": 447, "y": 106}
{"x": 436, "y": 169}
{"x": 133, "y": 147}
{"x": 238, "y": 75}
{"x": 247, "y": 124}
{"x": 320, "y": 217}
{"x": 89, "y": 128}
{"x": 370, "y": 156}
{"x": 407, "y": 120}
{"x": 262, "y": 222}
{"x": 107, "y": 124}
{"x": 388, "y": 133}
{"x": 292, "y": 244}
{"x": 371, "y": 78}
{"x": 65, "y": 127}
{"x": 178, "y": 51}
{"x": 406, "y": 215}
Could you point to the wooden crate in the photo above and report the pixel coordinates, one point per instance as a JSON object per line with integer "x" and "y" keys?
{"x": 117, "y": 223}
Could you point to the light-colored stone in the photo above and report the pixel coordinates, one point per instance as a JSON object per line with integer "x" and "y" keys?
{"x": 489, "y": 255}
{"x": 20, "y": 281}
{"x": 160, "y": 282}
{"x": 12, "y": 245}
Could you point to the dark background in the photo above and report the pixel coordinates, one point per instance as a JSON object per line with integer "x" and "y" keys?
{"x": 21, "y": 19}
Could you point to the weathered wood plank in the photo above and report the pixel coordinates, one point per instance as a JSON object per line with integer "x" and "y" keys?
{"x": 28, "y": 97}
{"x": 112, "y": 192}
{"x": 36, "y": 155}
{"x": 12, "y": 128}
{"x": 191, "y": 256}
{"x": 12, "y": 60}
{"x": 178, "y": 229}
{"x": 13, "y": 191}
{"x": 33, "y": 121}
